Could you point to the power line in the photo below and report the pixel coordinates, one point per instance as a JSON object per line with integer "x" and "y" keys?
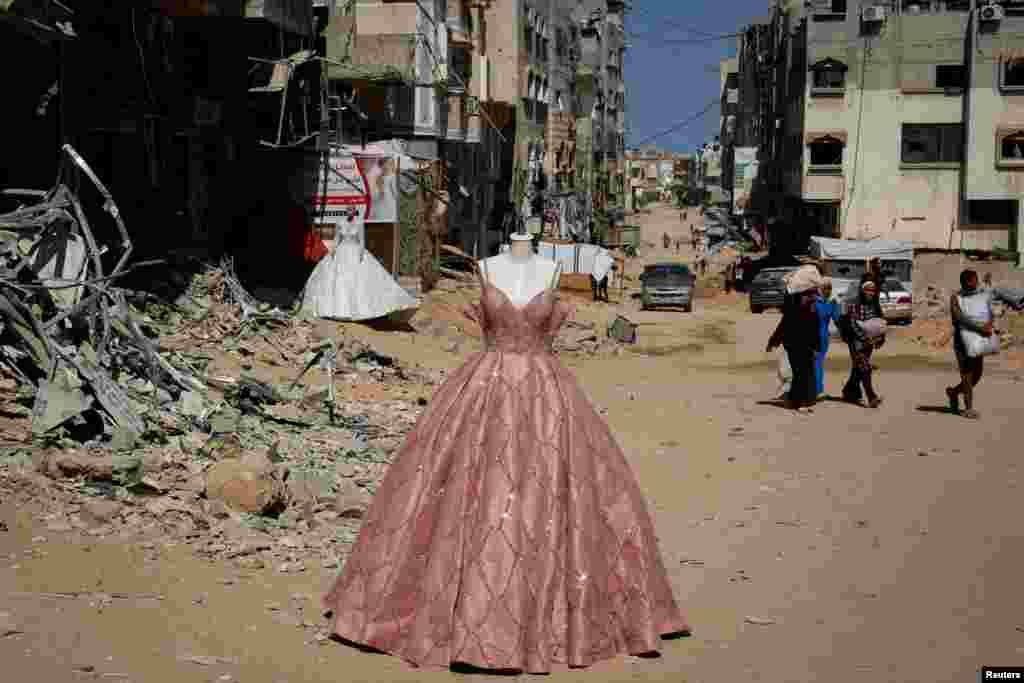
{"x": 669, "y": 42}
{"x": 681, "y": 124}
{"x": 664, "y": 22}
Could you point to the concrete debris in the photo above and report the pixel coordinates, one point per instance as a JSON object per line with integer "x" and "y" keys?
{"x": 255, "y": 468}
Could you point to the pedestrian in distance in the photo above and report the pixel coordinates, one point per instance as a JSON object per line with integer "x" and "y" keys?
{"x": 974, "y": 337}
{"x": 863, "y": 329}
{"x": 827, "y": 312}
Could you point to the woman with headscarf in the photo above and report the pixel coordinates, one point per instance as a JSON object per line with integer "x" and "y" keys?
{"x": 828, "y": 312}
{"x": 863, "y": 331}
{"x": 798, "y": 334}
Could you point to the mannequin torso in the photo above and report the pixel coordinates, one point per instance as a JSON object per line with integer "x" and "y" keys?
{"x": 519, "y": 273}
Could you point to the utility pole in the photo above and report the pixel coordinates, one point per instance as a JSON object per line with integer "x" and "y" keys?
{"x": 967, "y": 114}
{"x": 604, "y": 100}
{"x": 620, "y": 137}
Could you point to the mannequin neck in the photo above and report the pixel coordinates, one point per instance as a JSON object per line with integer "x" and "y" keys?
{"x": 520, "y": 250}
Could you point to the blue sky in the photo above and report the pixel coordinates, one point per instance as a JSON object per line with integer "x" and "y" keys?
{"x": 667, "y": 83}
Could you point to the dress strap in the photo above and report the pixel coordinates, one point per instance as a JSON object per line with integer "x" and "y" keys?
{"x": 555, "y": 276}
{"x": 481, "y": 272}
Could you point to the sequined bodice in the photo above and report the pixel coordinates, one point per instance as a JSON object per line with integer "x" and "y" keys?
{"x": 348, "y": 232}
{"x": 519, "y": 329}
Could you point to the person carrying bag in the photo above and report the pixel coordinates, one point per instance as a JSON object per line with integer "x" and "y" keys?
{"x": 974, "y": 337}
{"x": 863, "y": 330}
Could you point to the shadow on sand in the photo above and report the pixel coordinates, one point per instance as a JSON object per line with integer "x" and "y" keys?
{"x": 463, "y": 668}
{"x": 781, "y": 403}
{"x": 941, "y": 410}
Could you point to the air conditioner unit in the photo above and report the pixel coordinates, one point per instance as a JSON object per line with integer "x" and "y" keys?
{"x": 873, "y": 14}
{"x": 991, "y": 12}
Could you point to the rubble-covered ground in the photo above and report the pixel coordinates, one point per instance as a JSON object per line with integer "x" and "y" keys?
{"x": 256, "y": 464}
{"x": 251, "y": 452}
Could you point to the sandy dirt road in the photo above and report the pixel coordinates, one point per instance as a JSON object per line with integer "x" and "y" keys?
{"x": 848, "y": 545}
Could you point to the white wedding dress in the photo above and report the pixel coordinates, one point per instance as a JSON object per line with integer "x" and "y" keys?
{"x": 350, "y": 284}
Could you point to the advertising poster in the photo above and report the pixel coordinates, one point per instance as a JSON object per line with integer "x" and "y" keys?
{"x": 381, "y": 175}
{"x": 347, "y": 197}
{"x": 363, "y": 188}
{"x": 745, "y": 172}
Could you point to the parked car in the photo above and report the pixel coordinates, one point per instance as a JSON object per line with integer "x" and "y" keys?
{"x": 897, "y": 301}
{"x": 667, "y": 284}
{"x": 768, "y": 290}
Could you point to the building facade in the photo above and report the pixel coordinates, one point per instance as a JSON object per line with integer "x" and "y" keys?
{"x": 890, "y": 119}
{"x": 420, "y": 71}
{"x": 601, "y": 85}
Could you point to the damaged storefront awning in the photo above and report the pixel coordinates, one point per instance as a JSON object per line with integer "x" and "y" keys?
{"x": 857, "y": 250}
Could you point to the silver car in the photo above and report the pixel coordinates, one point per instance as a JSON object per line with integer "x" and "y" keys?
{"x": 667, "y": 284}
{"x": 897, "y": 301}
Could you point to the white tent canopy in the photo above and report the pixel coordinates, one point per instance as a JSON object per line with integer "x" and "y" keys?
{"x": 857, "y": 250}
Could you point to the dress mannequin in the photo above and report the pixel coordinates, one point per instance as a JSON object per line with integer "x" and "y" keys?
{"x": 519, "y": 273}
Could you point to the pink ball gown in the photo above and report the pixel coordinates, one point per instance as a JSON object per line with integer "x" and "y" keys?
{"x": 510, "y": 533}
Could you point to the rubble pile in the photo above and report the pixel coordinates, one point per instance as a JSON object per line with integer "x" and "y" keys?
{"x": 243, "y": 470}
{"x": 931, "y": 302}
{"x": 120, "y": 421}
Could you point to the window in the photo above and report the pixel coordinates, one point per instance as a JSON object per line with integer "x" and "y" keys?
{"x": 916, "y": 6}
{"x": 824, "y": 218}
{"x": 829, "y": 10}
{"x": 1011, "y": 148}
{"x": 932, "y": 143}
{"x": 459, "y": 64}
{"x": 828, "y": 76}
{"x": 1011, "y": 76}
{"x": 826, "y": 151}
{"x": 991, "y": 212}
{"x": 950, "y": 76}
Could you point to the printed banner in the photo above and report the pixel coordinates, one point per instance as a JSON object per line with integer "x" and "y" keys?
{"x": 381, "y": 175}
{"x": 745, "y": 172}
{"x": 347, "y": 197}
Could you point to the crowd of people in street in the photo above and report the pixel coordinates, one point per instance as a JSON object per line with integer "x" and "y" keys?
{"x": 805, "y": 333}
{"x": 810, "y": 313}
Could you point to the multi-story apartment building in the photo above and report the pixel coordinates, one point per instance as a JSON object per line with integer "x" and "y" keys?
{"x": 601, "y": 126}
{"x": 728, "y": 108}
{"x": 894, "y": 119}
{"x": 420, "y": 72}
{"x": 560, "y": 157}
{"x": 501, "y": 106}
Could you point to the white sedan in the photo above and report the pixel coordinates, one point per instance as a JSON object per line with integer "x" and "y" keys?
{"x": 897, "y": 301}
